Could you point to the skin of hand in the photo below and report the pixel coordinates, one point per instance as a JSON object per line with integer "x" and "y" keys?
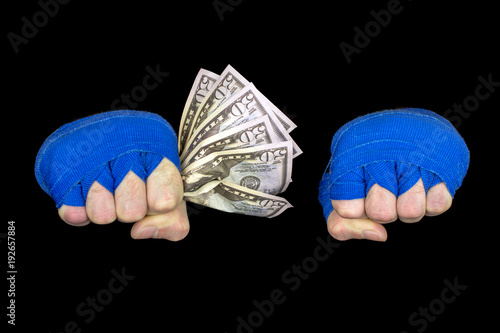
{"x": 156, "y": 207}
{"x": 158, "y": 211}
{"x": 364, "y": 218}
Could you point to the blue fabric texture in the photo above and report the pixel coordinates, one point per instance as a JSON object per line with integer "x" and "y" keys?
{"x": 103, "y": 148}
{"x": 394, "y": 149}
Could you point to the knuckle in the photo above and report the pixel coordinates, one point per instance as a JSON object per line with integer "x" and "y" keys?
{"x": 131, "y": 214}
{"x": 350, "y": 213}
{"x": 381, "y": 213}
{"x": 437, "y": 208}
{"x": 130, "y": 200}
{"x": 74, "y": 216}
{"x": 439, "y": 200}
{"x": 438, "y": 204}
{"x": 131, "y": 210}
{"x": 381, "y": 205}
{"x": 411, "y": 213}
{"x": 349, "y": 209}
{"x": 164, "y": 203}
{"x": 103, "y": 216}
{"x": 130, "y": 188}
{"x": 96, "y": 190}
{"x": 347, "y": 212}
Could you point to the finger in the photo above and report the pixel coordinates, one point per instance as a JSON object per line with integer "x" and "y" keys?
{"x": 343, "y": 229}
{"x": 439, "y": 200}
{"x": 173, "y": 225}
{"x": 100, "y": 204}
{"x": 75, "y": 216}
{"x": 350, "y": 209}
{"x": 164, "y": 188}
{"x": 411, "y": 204}
{"x": 380, "y": 205}
{"x": 130, "y": 199}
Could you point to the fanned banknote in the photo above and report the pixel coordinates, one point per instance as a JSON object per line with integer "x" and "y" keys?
{"x": 235, "y": 148}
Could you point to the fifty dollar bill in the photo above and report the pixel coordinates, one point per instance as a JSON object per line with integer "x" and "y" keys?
{"x": 233, "y": 198}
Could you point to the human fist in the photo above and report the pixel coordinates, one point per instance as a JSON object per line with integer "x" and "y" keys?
{"x": 120, "y": 165}
{"x": 404, "y": 163}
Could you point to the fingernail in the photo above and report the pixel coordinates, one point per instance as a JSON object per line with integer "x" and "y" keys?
{"x": 148, "y": 232}
{"x": 371, "y": 235}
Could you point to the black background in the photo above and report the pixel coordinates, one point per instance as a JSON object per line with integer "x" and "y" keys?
{"x": 89, "y": 53}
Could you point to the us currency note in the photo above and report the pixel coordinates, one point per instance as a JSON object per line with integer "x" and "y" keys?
{"x": 201, "y": 86}
{"x": 255, "y": 132}
{"x": 229, "y": 83}
{"x": 232, "y": 198}
{"x": 235, "y": 146}
{"x": 287, "y": 123}
{"x": 265, "y": 168}
{"x": 240, "y": 108}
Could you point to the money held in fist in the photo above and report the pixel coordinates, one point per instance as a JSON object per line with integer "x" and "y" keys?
{"x": 235, "y": 148}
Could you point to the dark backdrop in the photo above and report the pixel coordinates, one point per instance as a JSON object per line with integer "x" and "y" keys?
{"x": 225, "y": 275}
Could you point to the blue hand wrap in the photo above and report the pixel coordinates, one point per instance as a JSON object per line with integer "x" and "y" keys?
{"x": 103, "y": 148}
{"x": 394, "y": 149}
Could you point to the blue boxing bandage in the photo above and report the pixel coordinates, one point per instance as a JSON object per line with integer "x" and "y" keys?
{"x": 103, "y": 148}
{"x": 394, "y": 149}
